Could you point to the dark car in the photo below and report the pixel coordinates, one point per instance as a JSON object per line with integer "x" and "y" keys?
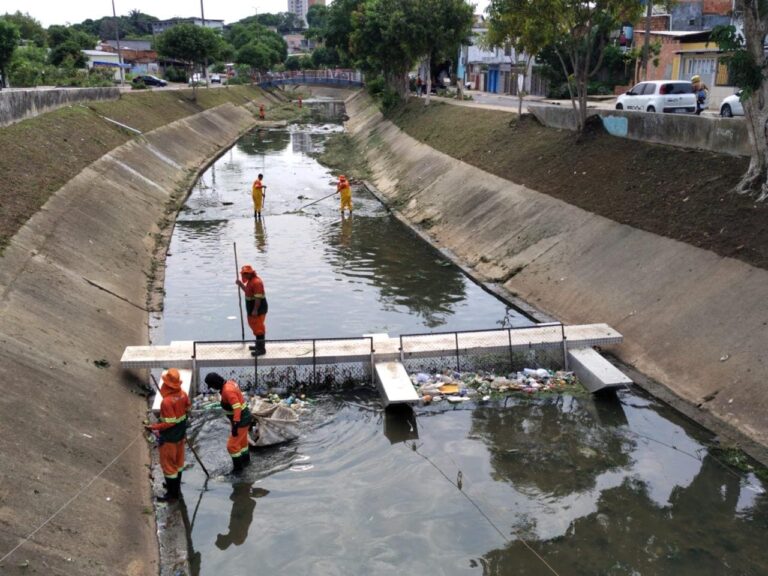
{"x": 150, "y": 80}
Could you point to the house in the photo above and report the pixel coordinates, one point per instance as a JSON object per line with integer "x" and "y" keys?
{"x": 138, "y": 54}
{"x": 495, "y": 69}
{"x": 298, "y": 44}
{"x": 102, "y": 59}
{"x": 163, "y": 25}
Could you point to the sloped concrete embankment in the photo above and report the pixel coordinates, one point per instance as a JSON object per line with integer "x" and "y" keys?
{"x": 17, "y": 105}
{"x": 692, "y": 321}
{"x": 74, "y": 286}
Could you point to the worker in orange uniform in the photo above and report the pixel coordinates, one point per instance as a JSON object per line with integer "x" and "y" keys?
{"x": 258, "y": 192}
{"x": 172, "y": 429}
{"x": 300, "y": 102}
{"x": 256, "y": 306}
{"x": 345, "y": 191}
{"x": 234, "y": 406}
{"x": 261, "y": 112}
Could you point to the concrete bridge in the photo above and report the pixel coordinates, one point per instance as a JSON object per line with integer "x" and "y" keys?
{"x": 338, "y": 78}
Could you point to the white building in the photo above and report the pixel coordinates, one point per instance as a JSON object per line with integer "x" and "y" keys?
{"x": 301, "y": 7}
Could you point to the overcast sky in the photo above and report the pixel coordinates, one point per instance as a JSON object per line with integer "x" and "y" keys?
{"x": 61, "y": 12}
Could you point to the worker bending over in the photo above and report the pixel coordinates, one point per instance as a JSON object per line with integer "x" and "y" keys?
{"x": 172, "y": 428}
{"x": 345, "y": 191}
{"x": 255, "y": 305}
{"x": 234, "y": 406}
{"x": 258, "y": 192}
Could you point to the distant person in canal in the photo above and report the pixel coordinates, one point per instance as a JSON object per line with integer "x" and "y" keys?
{"x": 261, "y": 112}
{"x": 235, "y": 407}
{"x": 258, "y": 192}
{"x": 172, "y": 430}
{"x": 256, "y": 306}
{"x": 345, "y": 191}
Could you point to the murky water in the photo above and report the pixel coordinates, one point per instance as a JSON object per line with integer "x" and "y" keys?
{"x": 557, "y": 485}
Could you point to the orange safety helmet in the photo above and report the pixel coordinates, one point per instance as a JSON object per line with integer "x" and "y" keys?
{"x": 342, "y": 178}
{"x": 172, "y": 378}
{"x": 247, "y": 270}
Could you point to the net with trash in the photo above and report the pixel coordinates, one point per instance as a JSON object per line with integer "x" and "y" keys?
{"x": 275, "y": 423}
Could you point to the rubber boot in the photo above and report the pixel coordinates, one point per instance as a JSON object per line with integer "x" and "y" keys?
{"x": 237, "y": 464}
{"x": 172, "y": 491}
{"x": 246, "y": 459}
{"x": 261, "y": 345}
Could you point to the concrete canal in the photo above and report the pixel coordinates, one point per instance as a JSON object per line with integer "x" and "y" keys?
{"x": 554, "y": 484}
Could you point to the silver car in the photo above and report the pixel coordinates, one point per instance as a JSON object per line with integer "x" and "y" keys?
{"x": 674, "y": 96}
{"x": 732, "y": 106}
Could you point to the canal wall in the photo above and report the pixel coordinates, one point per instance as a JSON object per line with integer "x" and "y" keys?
{"x": 694, "y": 323}
{"x": 16, "y": 105}
{"x": 74, "y": 283}
{"x": 720, "y": 135}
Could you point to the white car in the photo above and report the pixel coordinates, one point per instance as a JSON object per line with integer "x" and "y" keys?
{"x": 732, "y": 106}
{"x": 674, "y": 96}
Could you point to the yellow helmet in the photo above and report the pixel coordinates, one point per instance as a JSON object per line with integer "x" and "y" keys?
{"x": 696, "y": 78}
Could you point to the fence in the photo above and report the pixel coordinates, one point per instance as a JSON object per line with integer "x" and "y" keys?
{"x": 334, "y": 363}
{"x": 500, "y": 351}
{"x": 328, "y": 363}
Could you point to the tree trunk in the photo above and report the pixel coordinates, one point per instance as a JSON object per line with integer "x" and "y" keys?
{"x": 428, "y": 69}
{"x": 755, "y": 181}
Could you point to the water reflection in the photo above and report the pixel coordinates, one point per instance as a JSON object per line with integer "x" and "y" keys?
{"x": 550, "y": 448}
{"x": 260, "y": 234}
{"x": 400, "y": 424}
{"x": 243, "y": 504}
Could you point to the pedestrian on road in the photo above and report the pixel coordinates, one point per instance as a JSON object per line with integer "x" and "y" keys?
{"x": 258, "y": 192}
{"x": 345, "y": 191}
{"x": 172, "y": 429}
{"x": 234, "y": 406}
{"x": 702, "y": 94}
{"x": 256, "y": 306}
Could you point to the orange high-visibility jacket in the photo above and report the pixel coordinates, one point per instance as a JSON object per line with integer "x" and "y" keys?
{"x": 254, "y": 290}
{"x": 234, "y": 405}
{"x": 173, "y": 413}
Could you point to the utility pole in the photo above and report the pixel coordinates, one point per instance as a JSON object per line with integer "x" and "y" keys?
{"x": 647, "y": 39}
{"x": 205, "y": 66}
{"x": 117, "y": 39}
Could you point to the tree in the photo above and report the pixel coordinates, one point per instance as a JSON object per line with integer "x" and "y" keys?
{"x": 256, "y": 56}
{"x": 445, "y": 24}
{"x": 509, "y": 24}
{"x": 578, "y": 29}
{"x": 188, "y": 43}
{"x": 67, "y": 44}
{"x": 9, "y": 40}
{"x": 747, "y": 64}
{"x": 317, "y": 22}
{"x": 339, "y": 27}
{"x": 256, "y": 45}
{"x": 29, "y": 29}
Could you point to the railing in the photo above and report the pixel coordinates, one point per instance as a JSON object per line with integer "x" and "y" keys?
{"x": 333, "y": 363}
{"x": 499, "y": 350}
{"x": 329, "y": 363}
{"x": 334, "y": 77}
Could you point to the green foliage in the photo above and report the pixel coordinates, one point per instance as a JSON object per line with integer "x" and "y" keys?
{"x": 30, "y": 29}
{"x": 339, "y": 27}
{"x": 256, "y": 45}
{"x": 283, "y": 22}
{"x": 744, "y": 70}
{"x": 292, "y": 63}
{"x": 323, "y": 57}
{"x": 188, "y": 43}
{"x": 135, "y": 25}
{"x": 317, "y": 20}
{"x": 376, "y": 85}
{"x": 9, "y": 40}
{"x": 173, "y": 74}
{"x": 29, "y": 67}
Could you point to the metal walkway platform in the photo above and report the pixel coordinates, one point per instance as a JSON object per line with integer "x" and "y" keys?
{"x": 382, "y": 357}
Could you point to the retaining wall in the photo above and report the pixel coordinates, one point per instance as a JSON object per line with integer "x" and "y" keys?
{"x": 73, "y": 294}
{"x": 16, "y": 105}
{"x": 693, "y": 321}
{"x": 722, "y": 135}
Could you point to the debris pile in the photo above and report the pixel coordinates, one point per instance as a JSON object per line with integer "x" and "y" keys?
{"x": 457, "y": 387}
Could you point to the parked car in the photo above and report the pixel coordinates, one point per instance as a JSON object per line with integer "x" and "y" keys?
{"x": 149, "y": 80}
{"x": 676, "y": 96}
{"x": 215, "y": 79}
{"x": 197, "y": 79}
{"x": 732, "y": 106}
